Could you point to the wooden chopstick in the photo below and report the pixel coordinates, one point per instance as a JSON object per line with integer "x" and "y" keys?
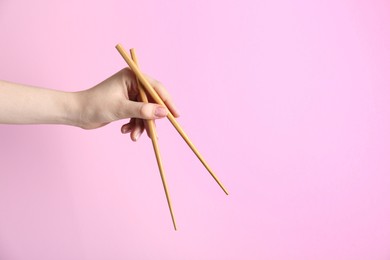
{"x": 156, "y": 97}
{"x": 153, "y": 136}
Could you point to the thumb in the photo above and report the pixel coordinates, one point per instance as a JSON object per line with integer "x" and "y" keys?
{"x": 144, "y": 110}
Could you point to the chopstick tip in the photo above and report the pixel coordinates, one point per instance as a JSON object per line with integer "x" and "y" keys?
{"x": 119, "y": 47}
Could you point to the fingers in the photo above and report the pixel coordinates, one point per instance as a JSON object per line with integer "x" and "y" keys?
{"x": 133, "y": 91}
{"x": 139, "y": 111}
{"x": 127, "y": 128}
{"x": 135, "y": 127}
{"x": 164, "y": 94}
{"x": 138, "y": 129}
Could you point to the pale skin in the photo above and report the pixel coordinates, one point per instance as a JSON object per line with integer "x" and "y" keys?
{"x": 113, "y": 99}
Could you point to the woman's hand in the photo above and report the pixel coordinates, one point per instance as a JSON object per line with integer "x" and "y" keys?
{"x": 117, "y": 98}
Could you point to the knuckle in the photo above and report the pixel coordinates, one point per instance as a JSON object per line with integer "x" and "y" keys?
{"x": 159, "y": 84}
{"x": 166, "y": 98}
{"x": 126, "y": 75}
{"x": 160, "y": 88}
{"x": 126, "y": 71}
{"x": 143, "y": 111}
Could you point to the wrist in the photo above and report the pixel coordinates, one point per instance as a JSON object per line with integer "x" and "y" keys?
{"x": 73, "y": 108}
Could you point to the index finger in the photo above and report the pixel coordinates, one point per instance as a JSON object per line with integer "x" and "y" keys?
{"x": 164, "y": 95}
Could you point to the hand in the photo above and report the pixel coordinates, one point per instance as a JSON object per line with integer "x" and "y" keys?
{"x": 117, "y": 98}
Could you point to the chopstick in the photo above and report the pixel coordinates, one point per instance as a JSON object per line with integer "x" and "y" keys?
{"x": 156, "y": 97}
{"x": 153, "y": 136}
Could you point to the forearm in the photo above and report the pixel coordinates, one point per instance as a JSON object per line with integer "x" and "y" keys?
{"x": 21, "y": 104}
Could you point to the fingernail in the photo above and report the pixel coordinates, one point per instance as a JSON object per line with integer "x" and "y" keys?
{"x": 160, "y": 112}
{"x": 137, "y": 134}
{"x": 125, "y": 129}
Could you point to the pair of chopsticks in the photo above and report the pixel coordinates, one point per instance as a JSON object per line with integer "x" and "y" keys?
{"x": 144, "y": 87}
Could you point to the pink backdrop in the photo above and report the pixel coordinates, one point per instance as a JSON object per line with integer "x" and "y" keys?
{"x": 287, "y": 100}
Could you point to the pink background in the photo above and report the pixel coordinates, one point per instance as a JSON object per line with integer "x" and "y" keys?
{"x": 287, "y": 100}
